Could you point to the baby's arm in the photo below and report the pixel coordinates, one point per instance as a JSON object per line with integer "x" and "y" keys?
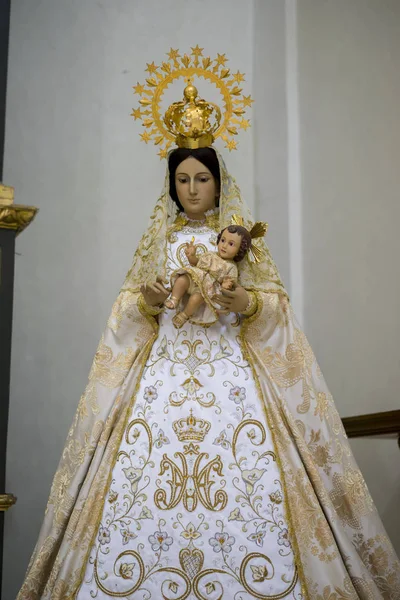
{"x": 190, "y": 252}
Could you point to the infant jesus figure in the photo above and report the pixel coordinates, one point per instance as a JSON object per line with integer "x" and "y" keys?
{"x": 207, "y": 275}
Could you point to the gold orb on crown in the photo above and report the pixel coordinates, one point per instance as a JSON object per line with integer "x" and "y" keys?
{"x": 191, "y": 122}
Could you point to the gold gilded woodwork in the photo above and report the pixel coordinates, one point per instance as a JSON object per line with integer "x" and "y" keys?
{"x": 7, "y": 501}
{"x": 6, "y": 194}
{"x": 16, "y": 216}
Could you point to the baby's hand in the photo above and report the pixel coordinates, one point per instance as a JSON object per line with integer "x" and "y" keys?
{"x": 190, "y": 250}
{"x": 228, "y": 283}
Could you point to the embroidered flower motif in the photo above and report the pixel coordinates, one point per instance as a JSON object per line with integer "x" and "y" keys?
{"x": 260, "y": 573}
{"x": 350, "y": 497}
{"x": 322, "y": 405}
{"x": 134, "y": 476}
{"x": 222, "y": 440}
{"x": 161, "y": 440}
{"x": 332, "y": 594}
{"x": 126, "y": 570}
{"x": 222, "y": 542}
{"x": 250, "y": 477}
{"x": 236, "y": 515}
{"x": 191, "y": 386}
{"x": 321, "y": 455}
{"x": 112, "y": 496}
{"x": 160, "y": 541}
{"x": 150, "y": 394}
{"x": 135, "y": 434}
{"x": 213, "y": 239}
{"x": 252, "y": 434}
{"x": 174, "y": 587}
{"x": 162, "y": 350}
{"x": 257, "y": 537}
{"x": 379, "y": 561}
{"x": 237, "y": 394}
{"x": 276, "y": 497}
{"x": 190, "y": 533}
{"x": 210, "y": 587}
{"x": 323, "y": 534}
{"x": 146, "y": 513}
{"x": 104, "y": 535}
{"x": 225, "y": 349}
{"x": 283, "y": 538}
{"x": 127, "y": 536}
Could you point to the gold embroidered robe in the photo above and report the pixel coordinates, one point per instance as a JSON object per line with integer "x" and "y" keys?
{"x": 341, "y": 548}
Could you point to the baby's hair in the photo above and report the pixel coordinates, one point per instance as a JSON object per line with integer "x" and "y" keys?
{"x": 244, "y": 244}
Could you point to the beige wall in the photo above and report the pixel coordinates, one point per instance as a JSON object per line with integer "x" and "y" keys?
{"x": 349, "y": 91}
{"x": 320, "y": 164}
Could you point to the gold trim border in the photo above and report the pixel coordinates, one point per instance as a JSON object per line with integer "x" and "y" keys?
{"x": 16, "y": 217}
{"x": 7, "y": 501}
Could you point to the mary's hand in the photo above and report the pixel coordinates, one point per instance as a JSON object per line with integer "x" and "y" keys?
{"x": 235, "y": 300}
{"x": 154, "y": 293}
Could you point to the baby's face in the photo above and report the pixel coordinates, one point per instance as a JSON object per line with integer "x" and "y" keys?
{"x": 229, "y": 245}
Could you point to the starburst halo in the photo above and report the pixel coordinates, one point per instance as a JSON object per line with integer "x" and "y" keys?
{"x": 187, "y": 68}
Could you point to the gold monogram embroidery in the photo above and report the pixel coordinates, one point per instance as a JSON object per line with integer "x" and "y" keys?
{"x": 191, "y": 484}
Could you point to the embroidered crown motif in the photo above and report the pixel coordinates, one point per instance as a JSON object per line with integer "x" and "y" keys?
{"x": 190, "y": 428}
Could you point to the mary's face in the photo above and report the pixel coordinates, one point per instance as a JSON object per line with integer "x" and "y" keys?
{"x": 196, "y": 188}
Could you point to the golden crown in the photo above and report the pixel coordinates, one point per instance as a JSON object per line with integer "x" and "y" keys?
{"x": 192, "y": 122}
{"x": 189, "y": 120}
{"x": 189, "y": 428}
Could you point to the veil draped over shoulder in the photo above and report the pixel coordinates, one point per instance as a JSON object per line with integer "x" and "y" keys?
{"x": 341, "y": 548}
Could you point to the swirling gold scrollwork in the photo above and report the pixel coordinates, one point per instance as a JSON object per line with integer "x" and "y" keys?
{"x": 191, "y": 484}
{"x": 263, "y": 573}
{"x": 125, "y": 570}
{"x": 172, "y": 585}
{"x": 146, "y": 428}
{"x": 244, "y": 424}
{"x": 192, "y": 386}
{"x": 122, "y": 573}
{"x": 200, "y": 576}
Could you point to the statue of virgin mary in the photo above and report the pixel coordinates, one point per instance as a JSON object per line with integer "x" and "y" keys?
{"x": 207, "y": 462}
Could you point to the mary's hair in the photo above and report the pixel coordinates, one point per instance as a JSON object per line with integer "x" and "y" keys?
{"x": 206, "y": 156}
